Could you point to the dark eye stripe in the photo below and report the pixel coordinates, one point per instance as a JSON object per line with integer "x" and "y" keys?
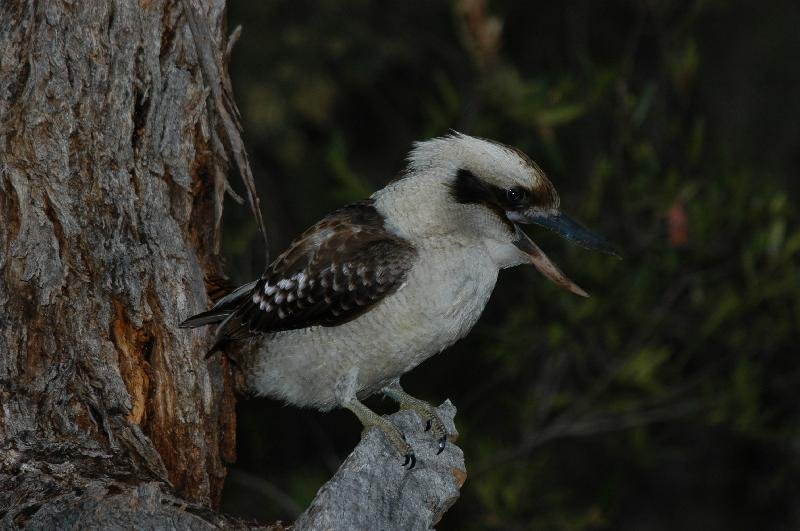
{"x": 469, "y": 189}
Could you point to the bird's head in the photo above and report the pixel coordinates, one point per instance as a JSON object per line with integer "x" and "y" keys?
{"x": 492, "y": 189}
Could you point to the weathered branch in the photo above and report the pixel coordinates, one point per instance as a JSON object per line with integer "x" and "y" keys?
{"x": 372, "y": 491}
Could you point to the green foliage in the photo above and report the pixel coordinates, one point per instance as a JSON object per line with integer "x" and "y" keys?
{"x": 667, "y": 399}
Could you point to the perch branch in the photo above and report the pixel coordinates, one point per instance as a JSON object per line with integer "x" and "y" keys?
{"x": 372, "y": 491}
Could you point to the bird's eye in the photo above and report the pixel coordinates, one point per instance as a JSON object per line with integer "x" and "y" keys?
{"x": 516, "y": 195}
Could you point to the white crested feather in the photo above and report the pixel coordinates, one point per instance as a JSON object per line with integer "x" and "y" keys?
{"x": 495, "y": 163}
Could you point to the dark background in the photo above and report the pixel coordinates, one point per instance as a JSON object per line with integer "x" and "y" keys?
{"x": 668, "y": 400}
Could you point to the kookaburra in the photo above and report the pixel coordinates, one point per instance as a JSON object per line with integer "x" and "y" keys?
{"x": 377, "y": 287}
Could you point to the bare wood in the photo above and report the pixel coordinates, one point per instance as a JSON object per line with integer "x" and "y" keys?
{"x": 372, "y": 491}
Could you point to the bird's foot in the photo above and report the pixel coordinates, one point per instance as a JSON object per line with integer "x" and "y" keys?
{"x": 425, "y": 411}
{"x": 395, "y": 437}
{"x": 432, "y": 421}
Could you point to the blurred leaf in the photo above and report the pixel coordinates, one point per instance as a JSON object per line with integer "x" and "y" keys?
{"x": 641, "y": 369}
{"x": 559, "y": 114}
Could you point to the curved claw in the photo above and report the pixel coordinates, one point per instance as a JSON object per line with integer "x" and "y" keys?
{"x": 410, "y": 458}
{"x": 442, "y": 444}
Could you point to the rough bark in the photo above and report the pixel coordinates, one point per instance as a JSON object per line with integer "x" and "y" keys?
{"x": 112, "y": 169}
{"x": 107, "y": 231}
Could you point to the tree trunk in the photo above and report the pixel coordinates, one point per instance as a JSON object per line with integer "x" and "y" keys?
{"x": 108, "y": 190}
{"x": 115, "y": 121}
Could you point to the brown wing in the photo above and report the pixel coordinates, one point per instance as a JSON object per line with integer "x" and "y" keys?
{"x": 331, "y": 274}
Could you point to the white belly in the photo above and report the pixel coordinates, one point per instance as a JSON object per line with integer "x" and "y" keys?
{"x": 441, "y": 300}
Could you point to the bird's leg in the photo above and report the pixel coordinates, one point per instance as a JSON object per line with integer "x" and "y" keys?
{"x": 346, "y": 389}
{"x": 369, "y": 419}
{"x": 426, "y": 411}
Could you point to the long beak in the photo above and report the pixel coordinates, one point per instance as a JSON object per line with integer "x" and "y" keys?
{"x": 544, "y": 265}
{"x": 567, "y": 229}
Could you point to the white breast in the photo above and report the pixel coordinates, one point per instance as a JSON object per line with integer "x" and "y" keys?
{"x": 441, "y": 300}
